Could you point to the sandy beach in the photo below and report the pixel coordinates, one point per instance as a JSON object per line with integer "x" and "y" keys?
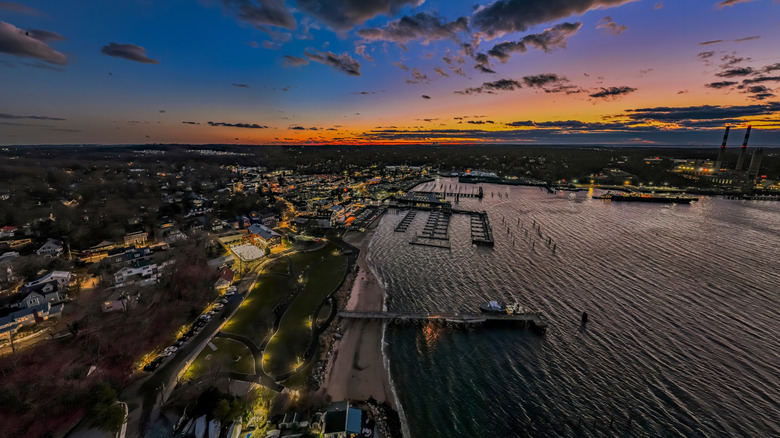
{"x": 356, "y": 371}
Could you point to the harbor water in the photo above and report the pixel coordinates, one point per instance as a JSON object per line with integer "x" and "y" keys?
{"x": 683, "y": 304}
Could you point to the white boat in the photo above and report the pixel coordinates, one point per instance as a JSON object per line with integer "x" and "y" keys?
{"x": 235, "y": 430}
{"x": 214, "y": 428}
{"x": 200, "y": 427}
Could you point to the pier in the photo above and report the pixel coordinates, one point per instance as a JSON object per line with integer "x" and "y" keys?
{"x": 406, "y": 221}
{"x": 436, "y": 232}
{"x": 524, "y": 320}
{"x": 473, "y": 194}
{"x": 481, "y": 233}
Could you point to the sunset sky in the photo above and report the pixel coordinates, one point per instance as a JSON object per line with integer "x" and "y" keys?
{"x": 384, "y": 71}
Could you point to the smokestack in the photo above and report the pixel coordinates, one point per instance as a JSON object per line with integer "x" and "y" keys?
{"x": 722, "y": 148}
{"x": 755, "y": 164}
{"x": 743, "y": 151}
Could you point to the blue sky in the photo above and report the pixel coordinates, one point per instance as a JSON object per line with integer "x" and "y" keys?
{"x": 383, "y": 71}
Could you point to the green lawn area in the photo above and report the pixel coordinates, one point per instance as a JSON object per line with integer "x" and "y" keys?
{"x": 222, "y": 359}
{"x": 278, "y": 266}
{"x": 255, "y": 317}
{"x": 294, "y": 334}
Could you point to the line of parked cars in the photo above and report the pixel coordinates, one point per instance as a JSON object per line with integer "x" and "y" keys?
{"x": 194, "y": 329}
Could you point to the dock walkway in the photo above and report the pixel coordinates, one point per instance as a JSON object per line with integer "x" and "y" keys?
{"x": 531, "y": 319}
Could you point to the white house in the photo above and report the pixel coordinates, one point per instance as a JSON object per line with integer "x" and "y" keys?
{"x": 52, "y": 248}
{"x": 61, "y": 277}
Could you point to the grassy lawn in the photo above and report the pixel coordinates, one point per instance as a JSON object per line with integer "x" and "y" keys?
{"x": 222, "y": 359}
{"x": 278, "y": 266}
{"x": 294, "y": 334}
{"x": 255, "y": 317}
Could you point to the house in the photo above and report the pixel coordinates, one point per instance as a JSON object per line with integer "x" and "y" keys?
{"x": 61, "y": 277}
{"x": 143, "y": 273}
{"x": 137, "y": 238}
{"x": 342, "y": 421}
{"x": 52, "y": 248}
{"x": 35, "y": 298}
{"x": 269, "y": 219}
{"x": 264, "y": 236}
{"x": 225, "y": 279}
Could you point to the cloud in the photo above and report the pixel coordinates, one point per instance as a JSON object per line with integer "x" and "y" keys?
{"x": 493, "y": 87}
{"x": 45, "y": 35}
{"x": 130, "y": 52}
{"x": 750, "y": 38}
{"x": 343, "y": 15}
{"x": 191, "y": 123}
{"x": 18, "y": 42}
{"x": 735, "y": 72}
{"x": 771, "y": 68}
{"x": 707, "y": 43}
{"x": 424, "y": 96}
{"x": 705, "y": 55}
{"x": 262, "y": 12}
{"x": 237, "y": 125}
{"x": 547, "y": 40}
{"x": 360, "y": 49}
{"x": 297, "y": 128}
{"x": 418, "y": 77}
{"x": 342, "y": 63}
{"x": 506, "y": 16}
{"x": 666, "y": 114}
{"x": 294, "y": 61}
{"x": 421, "y": 26}
{"x": 440, "y": 71}
{"x": 759, "y": 79}
{"x": 240, "y": 85}
{"x": 541, "y": 80}
{"x": 11, "y": 116}
{"x": 658, "y": 6}
{"x": 401, "y": 65}
{"x": 483, "y": 63}
{"x": 612, "y": 92}
{"x": 722, "y": 4}
{"x": 610, "y": 26}
{"x": 721, "y": 84}
{"x": 19, "y": 8}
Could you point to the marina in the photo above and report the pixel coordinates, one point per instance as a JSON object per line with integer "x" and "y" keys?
{"x": 481, "y": 233}
{"x": 406, "y": 221}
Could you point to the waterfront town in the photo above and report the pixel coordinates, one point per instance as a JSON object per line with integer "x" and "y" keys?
{"x": 194, "y": 288}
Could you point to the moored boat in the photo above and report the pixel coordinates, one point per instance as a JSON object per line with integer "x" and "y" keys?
{"x": 492, "y": 307}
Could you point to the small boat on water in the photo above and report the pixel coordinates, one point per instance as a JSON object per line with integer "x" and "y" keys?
{"x": 200, "y": 427}
{"x": 214, "y": 428}
{"x": 492, "y": 307}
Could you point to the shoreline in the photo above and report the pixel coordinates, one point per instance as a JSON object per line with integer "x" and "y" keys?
{"x": 356, "y": 370}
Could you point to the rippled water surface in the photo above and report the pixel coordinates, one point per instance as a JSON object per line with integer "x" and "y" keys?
{"x": 683, "y": 305}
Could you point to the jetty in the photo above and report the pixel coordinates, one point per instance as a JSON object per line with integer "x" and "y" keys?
{"x": 406, "y": 221}
{"x": 481, "y": 233}
{"x": 531, "y": 320}
{"x": 444, "y": 193}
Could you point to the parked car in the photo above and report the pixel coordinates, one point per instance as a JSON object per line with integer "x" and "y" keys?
{"x": 222, "y": 301}
{"x": 151, "y": 366}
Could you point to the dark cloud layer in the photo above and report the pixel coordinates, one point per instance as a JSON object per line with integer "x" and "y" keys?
{"x": 11, "y": 116}
{"x": 18, "y": 42}
{"x": 506, "y": 16}
{"x": 262, "y": 12}
{"x": 547, "y": 40}
{"x": 237, "y": 125}
{"x": 701, "y": 112}
{"x": 421, "y": 26}
{"x": 612, "y": 92}
{"x": 342, "y": 63}
{"x": 130, "y": 52}
{"x": 345, "y": 14}
{"x": 721, "y": 84}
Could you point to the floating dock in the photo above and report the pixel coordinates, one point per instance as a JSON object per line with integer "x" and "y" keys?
{"x": 472, "y": 194}
{"x": 406, "y": 221}
{"x": 436, "y": 243}
{"x": 481, "y": 233}
{"x": 525, "y": 320}
{"x": 437, "y": 226}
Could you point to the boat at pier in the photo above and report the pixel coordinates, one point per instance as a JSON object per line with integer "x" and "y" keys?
{"x": 647, "y": 197}
{"x": 492, "y": 307}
